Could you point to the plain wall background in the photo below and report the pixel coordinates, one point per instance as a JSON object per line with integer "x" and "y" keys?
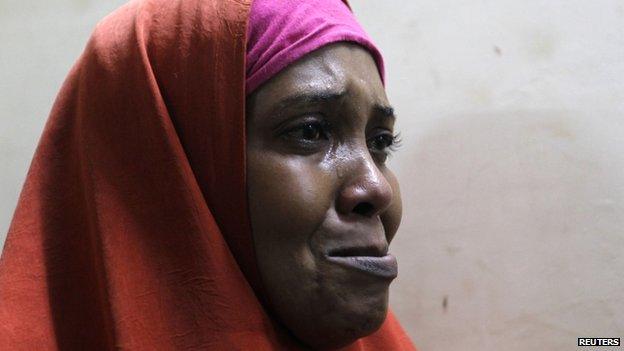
{"x": 512, "y": 165}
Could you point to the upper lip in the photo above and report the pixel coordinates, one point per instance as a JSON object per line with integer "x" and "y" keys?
{"x": 354, "y": 251}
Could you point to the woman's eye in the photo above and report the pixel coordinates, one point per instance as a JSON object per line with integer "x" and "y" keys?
{"x": 382, "y": 142}
{"x": 382, "y": 145}
{"x": 309, "y": 132}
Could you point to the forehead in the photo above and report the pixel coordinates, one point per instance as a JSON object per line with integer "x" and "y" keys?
{"x": 341, "y": 68}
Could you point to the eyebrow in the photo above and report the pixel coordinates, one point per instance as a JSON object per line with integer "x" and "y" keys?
{"x": 384, "y": 111}
{"x": 309, "y": 98}
{"x": 316, "y": 97}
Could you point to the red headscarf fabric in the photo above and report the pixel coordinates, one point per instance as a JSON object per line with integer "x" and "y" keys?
{"x": 132, "y": 230}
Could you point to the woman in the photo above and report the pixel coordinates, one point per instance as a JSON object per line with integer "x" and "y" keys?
{"x": 211, "y": 177}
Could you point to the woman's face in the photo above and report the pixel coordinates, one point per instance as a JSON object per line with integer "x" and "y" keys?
{"x": 323, "y": 204}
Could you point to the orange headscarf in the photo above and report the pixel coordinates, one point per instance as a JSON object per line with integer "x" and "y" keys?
{"x": 132, "y": 230}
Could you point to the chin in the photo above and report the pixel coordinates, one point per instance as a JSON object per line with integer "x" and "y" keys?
{"x": 364, "y": 316}
{"x": 352, "y": 316}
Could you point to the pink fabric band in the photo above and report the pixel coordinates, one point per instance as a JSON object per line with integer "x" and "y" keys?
{"x": 282, "y": 31}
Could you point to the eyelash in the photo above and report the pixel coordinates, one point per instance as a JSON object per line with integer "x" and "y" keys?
{"x": 393, "y": 141}
{"x": 323, "y": 131}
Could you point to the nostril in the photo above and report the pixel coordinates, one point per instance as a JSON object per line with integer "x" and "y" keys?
{"x": 364, "y": 208}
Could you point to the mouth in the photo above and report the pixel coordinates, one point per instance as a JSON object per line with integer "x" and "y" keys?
{"x": 369, "y": 260}
{"x": 367, "y": 251}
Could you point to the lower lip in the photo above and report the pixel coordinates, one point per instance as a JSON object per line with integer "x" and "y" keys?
{"x": 383, "y": 267}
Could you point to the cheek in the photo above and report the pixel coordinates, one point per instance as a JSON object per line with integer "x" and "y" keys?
{"x": 391, "y": 218}
{"x": 288, "y": 198}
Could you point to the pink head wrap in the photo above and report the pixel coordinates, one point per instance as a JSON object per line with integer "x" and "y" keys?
{"x": 282, "y": 31}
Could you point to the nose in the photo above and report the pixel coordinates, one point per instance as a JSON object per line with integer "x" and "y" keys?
{"x": 365, "y": 191}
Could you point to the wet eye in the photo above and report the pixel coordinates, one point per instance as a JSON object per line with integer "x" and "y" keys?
{"x": 312, "y": 131}
{"x": 309, "y": 132}
{"x": 381, "y": 142}
{"x": 381, "y": 145}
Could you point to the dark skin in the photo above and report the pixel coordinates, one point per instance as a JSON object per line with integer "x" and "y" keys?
{"x": 323, "y": 205}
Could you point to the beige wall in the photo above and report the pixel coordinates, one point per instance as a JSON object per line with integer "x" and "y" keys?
{"x": 512, "y": 166}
